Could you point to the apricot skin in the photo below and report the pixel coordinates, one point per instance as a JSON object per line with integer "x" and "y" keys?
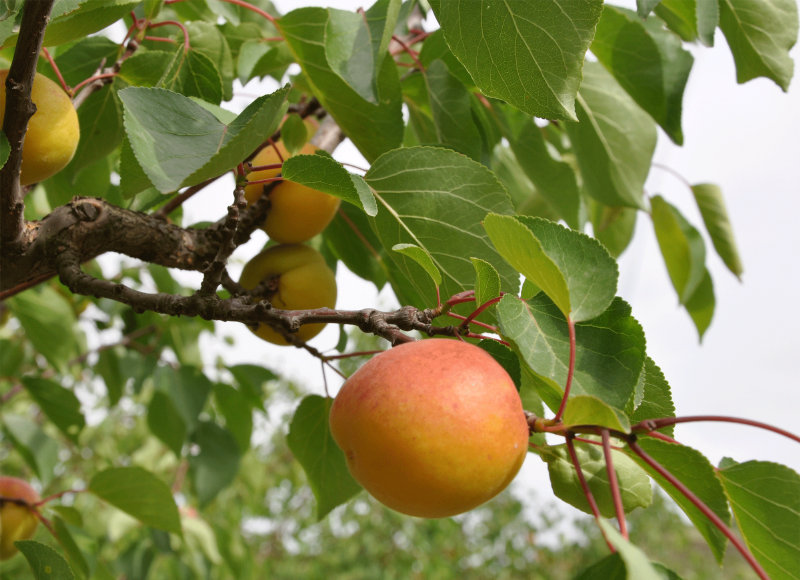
{"x": 297, "y": 213}
{"x": 431, "y": 428}
{"x": 304, "y": 281}
{"x": 17, "y": 522}
{"x": 53, "y": 131}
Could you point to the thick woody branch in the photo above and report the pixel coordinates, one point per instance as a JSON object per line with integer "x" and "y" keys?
{"x": 19, "y": 109}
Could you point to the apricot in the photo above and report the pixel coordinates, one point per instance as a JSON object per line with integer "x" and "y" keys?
{"x": 53, "y": 131}
{"x": 299, "y": 279}
{"x": 297, "y": 213}
{"x": 17, "y": 518}
{"x": 431, "y": 428}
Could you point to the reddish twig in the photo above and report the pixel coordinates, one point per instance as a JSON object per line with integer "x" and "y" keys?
{"x": 585, "y": 486}
{"x": 652, "y": 424}
{"x": 613, "y": 483}
{"x": 570, "y": 369}
{"x": 55, "y": 68}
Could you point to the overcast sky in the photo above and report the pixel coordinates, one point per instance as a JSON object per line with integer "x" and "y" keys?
{"x": 745, "y": 139}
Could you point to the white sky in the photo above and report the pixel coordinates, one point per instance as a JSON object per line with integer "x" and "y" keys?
{"x": 744, "y": 138}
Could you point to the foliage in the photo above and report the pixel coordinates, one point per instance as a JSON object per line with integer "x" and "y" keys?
{"x": 493, "y": 151}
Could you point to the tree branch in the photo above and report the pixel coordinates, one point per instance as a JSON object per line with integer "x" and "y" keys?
{"x": 19, "y": 109}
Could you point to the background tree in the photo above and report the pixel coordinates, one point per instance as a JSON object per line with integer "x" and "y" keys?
{"x": 490, "y": 150}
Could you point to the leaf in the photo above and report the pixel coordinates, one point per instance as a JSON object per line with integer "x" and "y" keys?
{"x": 60, "y": 405}
{"x": 37, "y": 448}
{"x": 636, "y": 562}
{"x": 350, "y": 238}
{"x": 216, "y": 464}
{"x": 237, "y": 412}
{"x": 506, "y": 358}
{"x": 574, "y": 270}
{"x": 177, "y": 142}
{"x": 681, "y": 246}
{"x": 613, "y": 141}
{"x": 609, "y": 355}
{"x": 73, "y": 552}
{"x": 188, "y": 389}
{"x": 140, "y": 494}
{"x": 373, "y": 128}
{"x": 49, "y": 323}
{"x": 613, "y": 226}
{"x": 85, "y": 18}
{"x": 348, "y": 48}
{"x": 715, "y": 217}
{"x": 554, "y": 179}
{"x": 252, "y": 381}
{"x": 193, "y": 74}
{"x": 691, "y": 19}
{"x": 612, "y": 567}
{"x": 436, "y": 198}
{"x": 645, "y": 7}
{"x": 656, "y": 397}
{"x": 528, "y": 54}
{"x": 108, "y": 367}
{"x": 260, "y": 59}
{"x": 312, "y": 444}
{"x": 696, "y": 473}
{"x": 648, "y": 62}
{"x": 487, "y": 281}
{"x": 421, "y": 257}
{"x": 760, "y": 34}
{"x": 701, "y": 303}
{"x": 166, "y": 423}
{"x": 45, "y": 562}
{"x": 451, "y": 111}
{"x": 634, "y": 484}
{"x": 101, "y": 128}
{"x": 294, "y": 133}
{"x": 325, "y": 174}
{"x": 765, "y": 498}
{"x": 588, "y": 410}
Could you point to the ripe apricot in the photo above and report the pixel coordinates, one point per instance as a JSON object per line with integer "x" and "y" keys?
{"x": 431, "y": 428}
{"x": 300, "y": 280}
{"x": 53, "y": 131}
{"x": 297, "y": 213}
{"x": 17, "y": 520}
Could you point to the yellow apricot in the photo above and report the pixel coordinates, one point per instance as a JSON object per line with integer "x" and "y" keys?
{"x": 431, "y": 428}
{"x": 17, "y": 521}
{"x": 297, "y": 213}
{"x": 53, "y": 131}
{"x": 302, "y": 281}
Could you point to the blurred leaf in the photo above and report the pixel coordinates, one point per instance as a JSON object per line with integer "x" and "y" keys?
{"x": 294, "y": 133}
{"x": 188, "y": 389}
{"x": 760, "y": 34}
{"x": 648, "y": 62}
{"x": 613, "y": 226}
{"x": 237, "y": 412}
{"x": 49, "y": 323}
{"x": 609, "y": 355}
{"x": 38, "y": 449}
{"x": 528, "y": 54}
{"x": 611, "y": 127}
{"x": 691, "y": 19}
{"x": 313, "y": 446}
{"x": 108, "y": 366}
{"x": 60, "y": 405}
{"x": 436, "y": 198}
{"x": 637, "y": 563}
{"x": 765, "y": 498}
{"x": 45, "y": 562}
{"x": 177, "y": 142}
{"x": 215, "y": 466}
{"x": 140, "y": 494}
{"x": 696, "y": 473}
{"x": 701, "y": 303}
{"x": 166, "y": 423}
{"x": 252, "y": 382}
{"x": 574, "y": 270}
{"x": 73, "y": 552}
{"x": 715, "y": 217}
{"x": 634, "y": 484}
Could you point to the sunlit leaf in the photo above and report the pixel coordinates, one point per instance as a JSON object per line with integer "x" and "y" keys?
{"x": 711, "y": 203}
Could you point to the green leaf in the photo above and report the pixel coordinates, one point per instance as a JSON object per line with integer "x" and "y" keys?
{"x": 609, "y": 355}
{"x": 645, "y": 7}
{"x": 635, "y": 486}
{"x": 696, "y": 473}
{"x": 435, "y": 199}
{"x": 237, "y": 412}
{"x": 506, "y": 358}
{"x": 451, "y": 111}
{"x": 140, "y": 494}
{"x": 612, "y": 567}
{"x": 574, "y": 270}
{"x": 765, "y": 498}
{"x": 648, "y": 62}
{"x": 177, "y": 142}
{"x": 49, "y": 323}
{"x": 84, "y": 18}
{"x": 323, "y": 173}
{"x": 60, "y": 405}
{"x": 45, "y": 562}
{"x": 252, "y": 381}
{"x": 145, "y": 68}
{"x": 487, "y": 281}
{"x": 701, "y": 303}
{"x": 80, "y": 60}
{"x": 613, "y": 141}
{"x": 637, "y": 563}
{"x": 39, "y": 450}
{"x": 260, "y": 59}
{"x": 715, "y": 217}
{"x": 655, "y": 398}
{"x": 691, "y": 19}
{"x": 588, "y": 410}
{"x": 188, "y": 389}
{"x": 421, "y": 257}
{"x": 760, "y": 34}
{"x": 313, "y": 446}
{"x": 681, "y": 246}
{"x": 528, "y": 54}
{"x": 350, "y": 238}
{"x": 207, "y": 39}
{"x": 73, "y": 552}
{"x": 108, "y": 367}
{"x": 373, "y": 128}
{"x": 216, "y": 464}
{"x": 166, "y": 423}
{"x": 348, "y": 48}
{"x": 294, "y": 133}
{"x": 554, "y": 179}
{"x": 193, "y": 74}
{"x": 100, "y": 119}
{"x": 613, "y": 226}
